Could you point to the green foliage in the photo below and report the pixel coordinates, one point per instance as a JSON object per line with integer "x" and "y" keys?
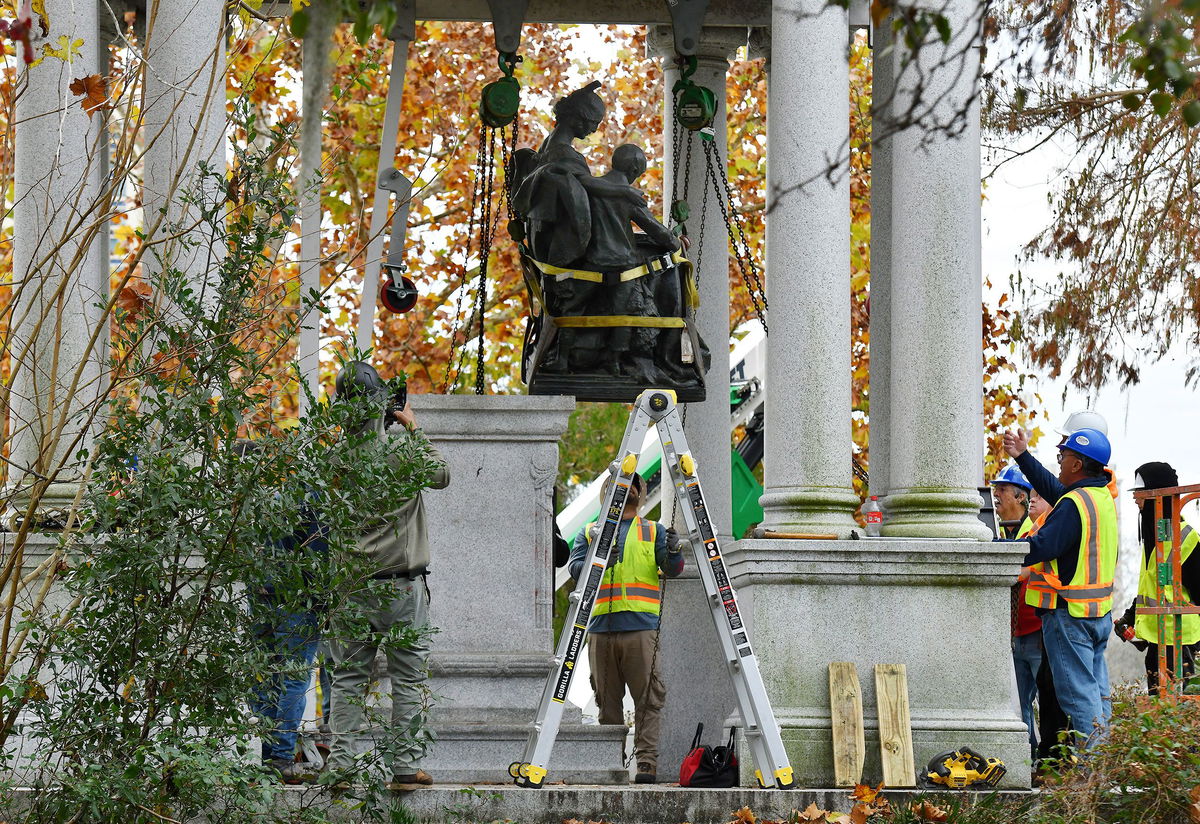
{"x": 194, "y": 540}
{"x": 1148, "y": 769}
{"x": 1165, "y": 52}
{"x": 588, "y": 446}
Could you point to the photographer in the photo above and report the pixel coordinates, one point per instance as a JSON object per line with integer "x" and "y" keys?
{"x": 396, "y": 542}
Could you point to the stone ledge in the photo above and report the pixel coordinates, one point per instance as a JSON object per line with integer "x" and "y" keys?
{"x": 634, "y": 804}
{"x": 492, "y": 417}
{"x": 876, "y": 561}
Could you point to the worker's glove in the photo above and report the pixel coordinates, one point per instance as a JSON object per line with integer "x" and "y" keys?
{"x": 672, "y": 540}
{"x": 614, "y": 556}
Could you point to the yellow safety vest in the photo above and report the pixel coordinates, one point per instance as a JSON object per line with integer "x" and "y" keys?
{"x": 1089, "y": 592}
{"x": 631, "y": 585}
{"x": 1146, "y": 626}
{"x": 1026, "y": 528}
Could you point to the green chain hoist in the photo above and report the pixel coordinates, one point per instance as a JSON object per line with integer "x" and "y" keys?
{"x": 695, "y": 106}
{"x": 502, "y": 98}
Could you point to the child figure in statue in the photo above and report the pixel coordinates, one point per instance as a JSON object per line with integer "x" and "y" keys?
{"x": 615, "y": 247}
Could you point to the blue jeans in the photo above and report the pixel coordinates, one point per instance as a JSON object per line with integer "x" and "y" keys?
{"x": 291, "y": 638}
{"x": 1027, "y": 658}
{"x": 1075, "y": 650}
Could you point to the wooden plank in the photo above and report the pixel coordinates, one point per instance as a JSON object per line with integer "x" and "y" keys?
{"x": 895, "y": 726}
{"x": 845, "y": 708}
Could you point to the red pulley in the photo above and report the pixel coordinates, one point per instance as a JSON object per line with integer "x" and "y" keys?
{"x": 398, "y": 299}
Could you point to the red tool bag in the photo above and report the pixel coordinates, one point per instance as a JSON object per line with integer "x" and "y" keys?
{"x": 707, "y": 766}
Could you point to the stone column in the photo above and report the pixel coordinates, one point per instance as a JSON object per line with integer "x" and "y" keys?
{"x": 184, "y": 117}
{"x": 933, "y": 293}
{"x": 938, "y": 606}
{"x": 59, "y": 341}
{"x": 318, "y": 44}
{"x": 492, "y": 588}
{"x": 808, "y": 453}
{"x": 688, "y": 638}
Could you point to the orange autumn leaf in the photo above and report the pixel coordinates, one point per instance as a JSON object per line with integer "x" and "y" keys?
{"x": 1194, "y": 808}
{"x": 94, "y": 91}
{"x": 134, "y": 296}
{"x": 812, "y": 813}
{"x": 928, "y": 812}
{"x": 744, "y": 816}
{"x": 860, "y": 813}
{"x": 880, "y": 9}
{"x": 866, "y": 793}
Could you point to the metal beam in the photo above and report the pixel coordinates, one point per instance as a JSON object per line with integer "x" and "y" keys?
{"x": 628, "y": 12}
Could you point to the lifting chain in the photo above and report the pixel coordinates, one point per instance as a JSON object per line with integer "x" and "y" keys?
{"x": 484, "y": 216}
{"x": 497, "y": 127}
{"x": 733, "y": 220}
{"x": 695, "y": 108}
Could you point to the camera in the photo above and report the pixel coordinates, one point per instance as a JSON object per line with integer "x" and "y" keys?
{"x": 395, "y": 404}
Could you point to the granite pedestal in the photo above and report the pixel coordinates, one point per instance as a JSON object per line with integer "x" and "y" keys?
{"x": 492, "y": 590}
{"x": 940, "y": 607}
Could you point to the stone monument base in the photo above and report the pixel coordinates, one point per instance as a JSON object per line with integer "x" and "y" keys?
{"x": 940, "y": 607}
{"x": 484, "y": 710}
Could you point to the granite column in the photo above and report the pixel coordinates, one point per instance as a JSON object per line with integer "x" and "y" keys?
{"x": 60, "y": 270}
{"x": 689, "y": 639}
{"x": 930, "y": 271}
{"x": 184, "y": 126}
{"x": 808, "y": 453}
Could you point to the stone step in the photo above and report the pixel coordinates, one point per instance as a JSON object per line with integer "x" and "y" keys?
{"x": 582, "y": 754}
{"x": 633, "y": 804}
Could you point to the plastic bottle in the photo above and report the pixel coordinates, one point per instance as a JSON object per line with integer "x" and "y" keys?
{"x": 873, "y": 516}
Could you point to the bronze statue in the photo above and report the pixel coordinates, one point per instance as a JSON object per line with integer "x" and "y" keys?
{"x": 615, "y": 318}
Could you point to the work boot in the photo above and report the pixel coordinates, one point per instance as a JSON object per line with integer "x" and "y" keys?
{"x": 645, "y": 774}
{"x": 410, "y": 781}
{"x": 289, "y": 771}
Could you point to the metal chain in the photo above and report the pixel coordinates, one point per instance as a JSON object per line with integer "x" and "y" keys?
{"x": 491, "y": 218}
{"x": 741, "y": 246}
{"x": 677, "y": 148}
{"x": 703, "y": 222}
{"x": 452, "y": 375}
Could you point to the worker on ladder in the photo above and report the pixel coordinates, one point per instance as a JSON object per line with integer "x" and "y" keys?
{"x": 623, "y": 633}
{"x": 1074, "y": 559}
{"x": 1159, "y": 475}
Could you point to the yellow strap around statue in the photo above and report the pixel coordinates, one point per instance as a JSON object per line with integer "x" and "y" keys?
{"x": 609, "y": 321}
{"x": 636, "y": 272}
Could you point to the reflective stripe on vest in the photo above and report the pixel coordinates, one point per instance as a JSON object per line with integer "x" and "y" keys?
{"x": 631, "y": 585}
{"x": 1089, "y": 593}
{"x": 1146, "y": 626}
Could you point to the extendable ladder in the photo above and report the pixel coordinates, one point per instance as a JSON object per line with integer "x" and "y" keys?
{"x": 659, "y": 407}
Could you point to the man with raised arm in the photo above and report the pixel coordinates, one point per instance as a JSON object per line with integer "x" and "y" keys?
{"x": 1073, "y": 558}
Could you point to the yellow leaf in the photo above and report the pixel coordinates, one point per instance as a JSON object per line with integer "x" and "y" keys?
{"x": 299, "y": 4}
{"x": 67, "y": 49}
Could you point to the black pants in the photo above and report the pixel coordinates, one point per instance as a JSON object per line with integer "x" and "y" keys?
{"x": 1051, "y": 719}
{"x": 1189, "y": 664}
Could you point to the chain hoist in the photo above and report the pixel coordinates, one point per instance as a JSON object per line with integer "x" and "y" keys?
{"x": 498, "y": 107}
{"x": 695, "y": 109}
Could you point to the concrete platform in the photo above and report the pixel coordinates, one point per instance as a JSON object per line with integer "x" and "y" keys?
{"x": 659, "y": 804}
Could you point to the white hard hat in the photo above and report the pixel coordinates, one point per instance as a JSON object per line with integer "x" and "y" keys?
{"x": 1084, "y": 420}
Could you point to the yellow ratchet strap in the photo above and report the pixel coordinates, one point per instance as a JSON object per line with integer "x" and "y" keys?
{"x": 658, "y": 264}
{"x": 610, "y": 321}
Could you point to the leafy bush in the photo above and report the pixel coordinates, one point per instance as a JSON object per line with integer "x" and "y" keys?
{"x": 134, "y": 689}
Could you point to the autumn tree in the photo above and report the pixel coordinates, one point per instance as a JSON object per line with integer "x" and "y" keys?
{"x": 1113, "y": 87}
